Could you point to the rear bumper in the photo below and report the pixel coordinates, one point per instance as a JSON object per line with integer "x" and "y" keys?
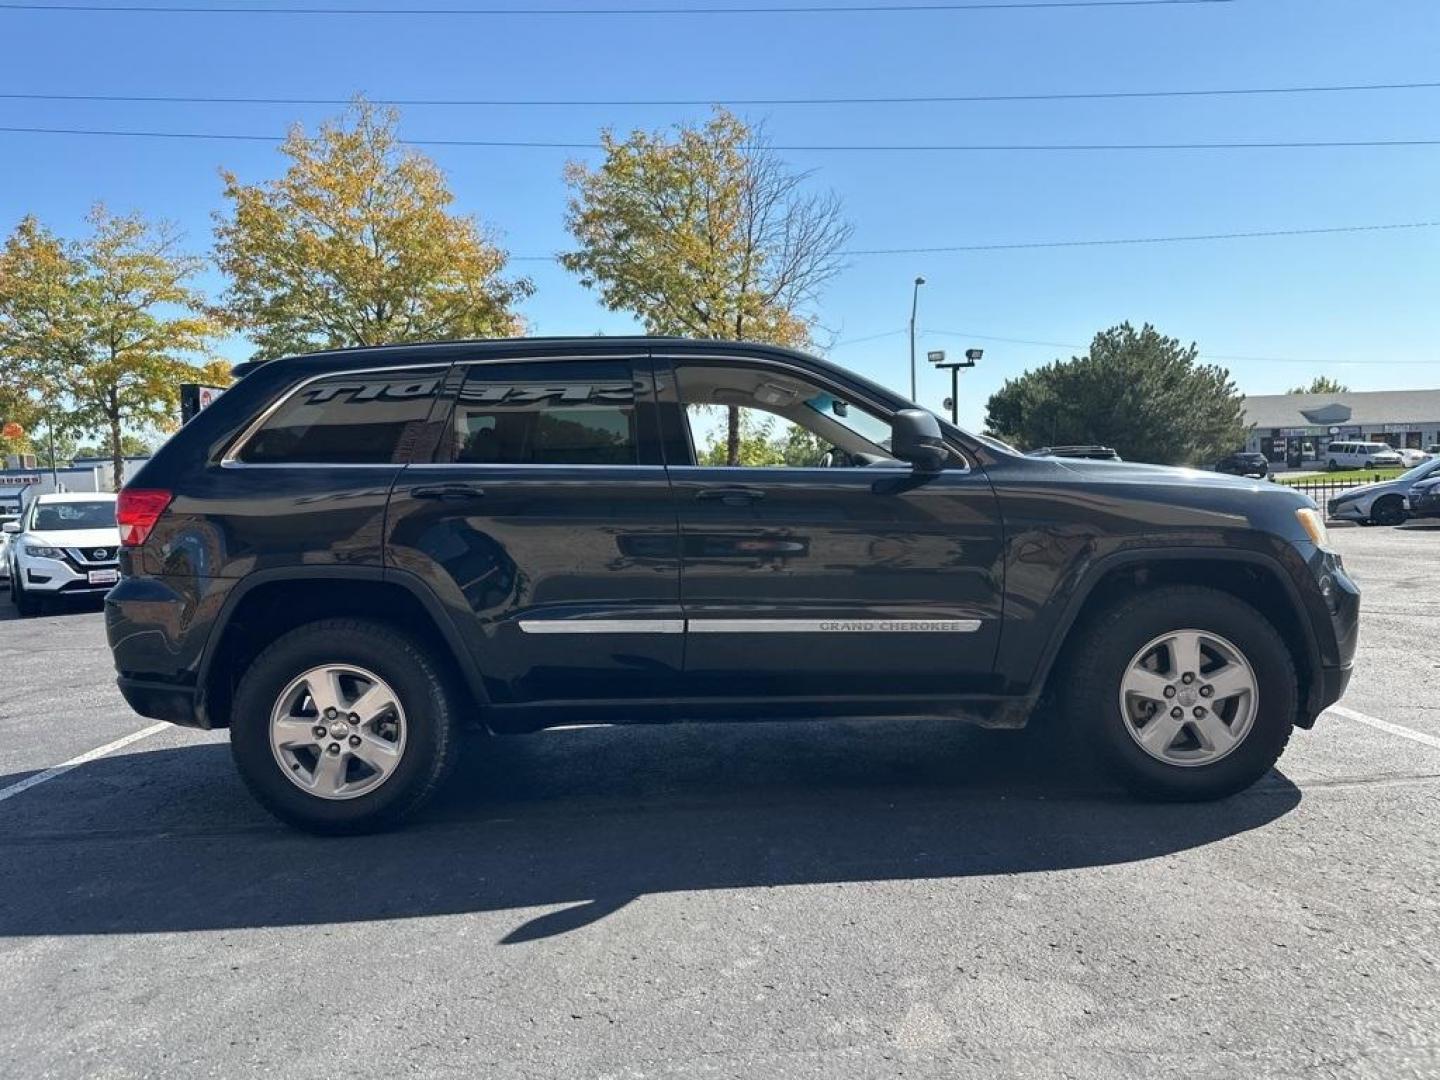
{"x": 162, "y": 701}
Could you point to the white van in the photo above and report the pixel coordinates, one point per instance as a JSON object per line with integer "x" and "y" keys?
{"x": 1360, "y": 455}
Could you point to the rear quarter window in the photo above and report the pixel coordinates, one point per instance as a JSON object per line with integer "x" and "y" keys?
{"x": 546, "y": 413}
{"x": 356, "y": 419}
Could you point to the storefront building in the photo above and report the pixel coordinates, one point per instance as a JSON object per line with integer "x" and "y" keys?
{"x": 1298, "y": 427}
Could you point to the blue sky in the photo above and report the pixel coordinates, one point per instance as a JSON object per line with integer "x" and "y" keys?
{"x": 1360, "y": 307}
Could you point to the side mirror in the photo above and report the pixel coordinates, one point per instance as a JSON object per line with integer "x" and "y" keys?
{"x": 915, "y": 437}
{"x": 11, "y": 527}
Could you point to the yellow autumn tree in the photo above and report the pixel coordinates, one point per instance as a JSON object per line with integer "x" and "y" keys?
{"x": 702, "y": 231}
{"x": 100, "y": 332}
{"x": 356, "y": 245}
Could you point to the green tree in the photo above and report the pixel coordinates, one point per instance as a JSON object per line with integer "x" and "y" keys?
{"x": 64, "y": 447}
{"x": 356, "y": 244}
{"x": 1322, "y": 384}
{"x": 130, "y": 446}
{"x": 1136, "y": 390}
{"x": 41, "y": 333}
{"x": 105, "y": 328}
{"x": 756, "y": 445}
{"x": 802, "y": 448}
{"x": 703, "y": 232}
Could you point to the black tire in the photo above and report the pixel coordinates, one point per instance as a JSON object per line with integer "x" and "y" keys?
{"x": 1094, "y": 670}
{"x": 25, "y": 604}
{"x": 424, "y": 693}
{"x": 1389, "y": 510}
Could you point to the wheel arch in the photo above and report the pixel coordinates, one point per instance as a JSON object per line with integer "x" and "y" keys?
{"x": 268, "y": 603}
{"x": 1252, "y": 577}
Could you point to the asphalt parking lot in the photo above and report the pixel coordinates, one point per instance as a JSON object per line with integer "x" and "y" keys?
{"x": 896, "y": 898}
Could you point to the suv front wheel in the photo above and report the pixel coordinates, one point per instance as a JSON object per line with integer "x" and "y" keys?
{"x": 343, "y": 726}
{"x": 1184, "y": 693}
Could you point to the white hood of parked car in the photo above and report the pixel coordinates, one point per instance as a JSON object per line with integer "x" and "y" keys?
{"x": 74, "y": 538}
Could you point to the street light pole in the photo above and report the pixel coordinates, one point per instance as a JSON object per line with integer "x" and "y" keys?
{"x": 972, "y": 357}
{"x": 914, "y": 304}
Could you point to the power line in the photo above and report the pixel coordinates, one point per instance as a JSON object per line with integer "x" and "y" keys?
{"x": 942, "y": 99}
{"x": 1028, "y": 245}
{"x": 787, "y": 9}
{"x": 1203, "y": 356}
{"x": 528, "y": 144}
{"x": 1190, "y": 238}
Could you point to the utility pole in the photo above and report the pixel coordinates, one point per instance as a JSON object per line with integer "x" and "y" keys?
{"x": 914, "y": 304}
{"x": 54, "y": 472}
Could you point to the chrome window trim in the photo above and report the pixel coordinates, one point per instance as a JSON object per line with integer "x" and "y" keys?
{"x": 789, "y": 470}
{"x": 786, "y": 365}
{"x": 536, "y": 466}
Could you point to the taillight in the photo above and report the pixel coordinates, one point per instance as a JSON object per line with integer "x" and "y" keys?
{"x": 136, "y": 512}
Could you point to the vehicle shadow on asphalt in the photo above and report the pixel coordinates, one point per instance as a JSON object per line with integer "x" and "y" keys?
{"x": 65, "y": 605}
{"x": 584, "y": 821}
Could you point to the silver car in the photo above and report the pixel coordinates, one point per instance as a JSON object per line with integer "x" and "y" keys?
{"x": 1385, "y": 503}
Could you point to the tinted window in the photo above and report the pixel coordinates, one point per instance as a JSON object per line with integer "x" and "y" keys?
{"x": 348, "y": 420}
{"x": 560, "y": 413}
{"x": 74, "y": 515}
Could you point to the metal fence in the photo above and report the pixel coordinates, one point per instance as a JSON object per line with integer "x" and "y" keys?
{"x": 1326, "y": 488}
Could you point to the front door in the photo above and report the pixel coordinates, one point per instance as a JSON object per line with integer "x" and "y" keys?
{"x": 819, "y": 567}
{"x": 546, "y": 522}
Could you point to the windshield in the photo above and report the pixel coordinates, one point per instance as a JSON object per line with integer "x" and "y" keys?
{"x": 74, "y": 515}
{"x": 1425, "y": 468}
{"x": 865, "y": 424}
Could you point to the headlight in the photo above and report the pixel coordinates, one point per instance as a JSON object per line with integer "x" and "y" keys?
{"x": 38, "y": 551}
{"x": 1314, "y": 526}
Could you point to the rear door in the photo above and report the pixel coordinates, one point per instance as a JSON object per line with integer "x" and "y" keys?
{"x": 819, "y": 567}
{"x": 545, "y": 521}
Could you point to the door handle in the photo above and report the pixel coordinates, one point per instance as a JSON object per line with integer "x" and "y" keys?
{"x": 449, "y": 492}
{"x": 730, "y": 496}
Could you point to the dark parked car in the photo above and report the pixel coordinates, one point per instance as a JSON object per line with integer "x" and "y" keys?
{"x": 1243, "y": 464}
{"x": 1094, "y": 453}
{"x": 1425, "y": 499}
{"x": 350, "y": 556}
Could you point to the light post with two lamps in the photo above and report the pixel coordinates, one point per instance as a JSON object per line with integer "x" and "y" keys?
{"x": 972, "y": 356}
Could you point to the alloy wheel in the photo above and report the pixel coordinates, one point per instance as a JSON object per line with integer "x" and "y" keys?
{"x": 338, "y": 731}
{"x": 1189, "y": 697}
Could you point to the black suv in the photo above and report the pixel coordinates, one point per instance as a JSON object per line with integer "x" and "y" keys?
{"x": 1241, "y": 463}
{"x": 352, "y": 555}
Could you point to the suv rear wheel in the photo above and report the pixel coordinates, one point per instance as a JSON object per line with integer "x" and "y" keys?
{"x": 343, "y": 726}
{"x": 1183, "y": 693}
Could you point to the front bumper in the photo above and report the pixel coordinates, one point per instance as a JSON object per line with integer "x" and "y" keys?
{"x": 1350, "y": 510}
{"x": 55, "y": 576}
{"x": 161, "y": 701}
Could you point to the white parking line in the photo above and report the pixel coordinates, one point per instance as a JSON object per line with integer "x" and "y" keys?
{"x": 1361, "y": 718}
{"x": 75, "y": 762}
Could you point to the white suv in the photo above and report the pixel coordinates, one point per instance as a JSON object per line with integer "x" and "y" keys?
{"x": 63, "y": 545}
{"x": 1360, "y": 455}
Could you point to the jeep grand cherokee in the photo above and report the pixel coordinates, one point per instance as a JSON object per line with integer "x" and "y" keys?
{"x": 354, "y": 554}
